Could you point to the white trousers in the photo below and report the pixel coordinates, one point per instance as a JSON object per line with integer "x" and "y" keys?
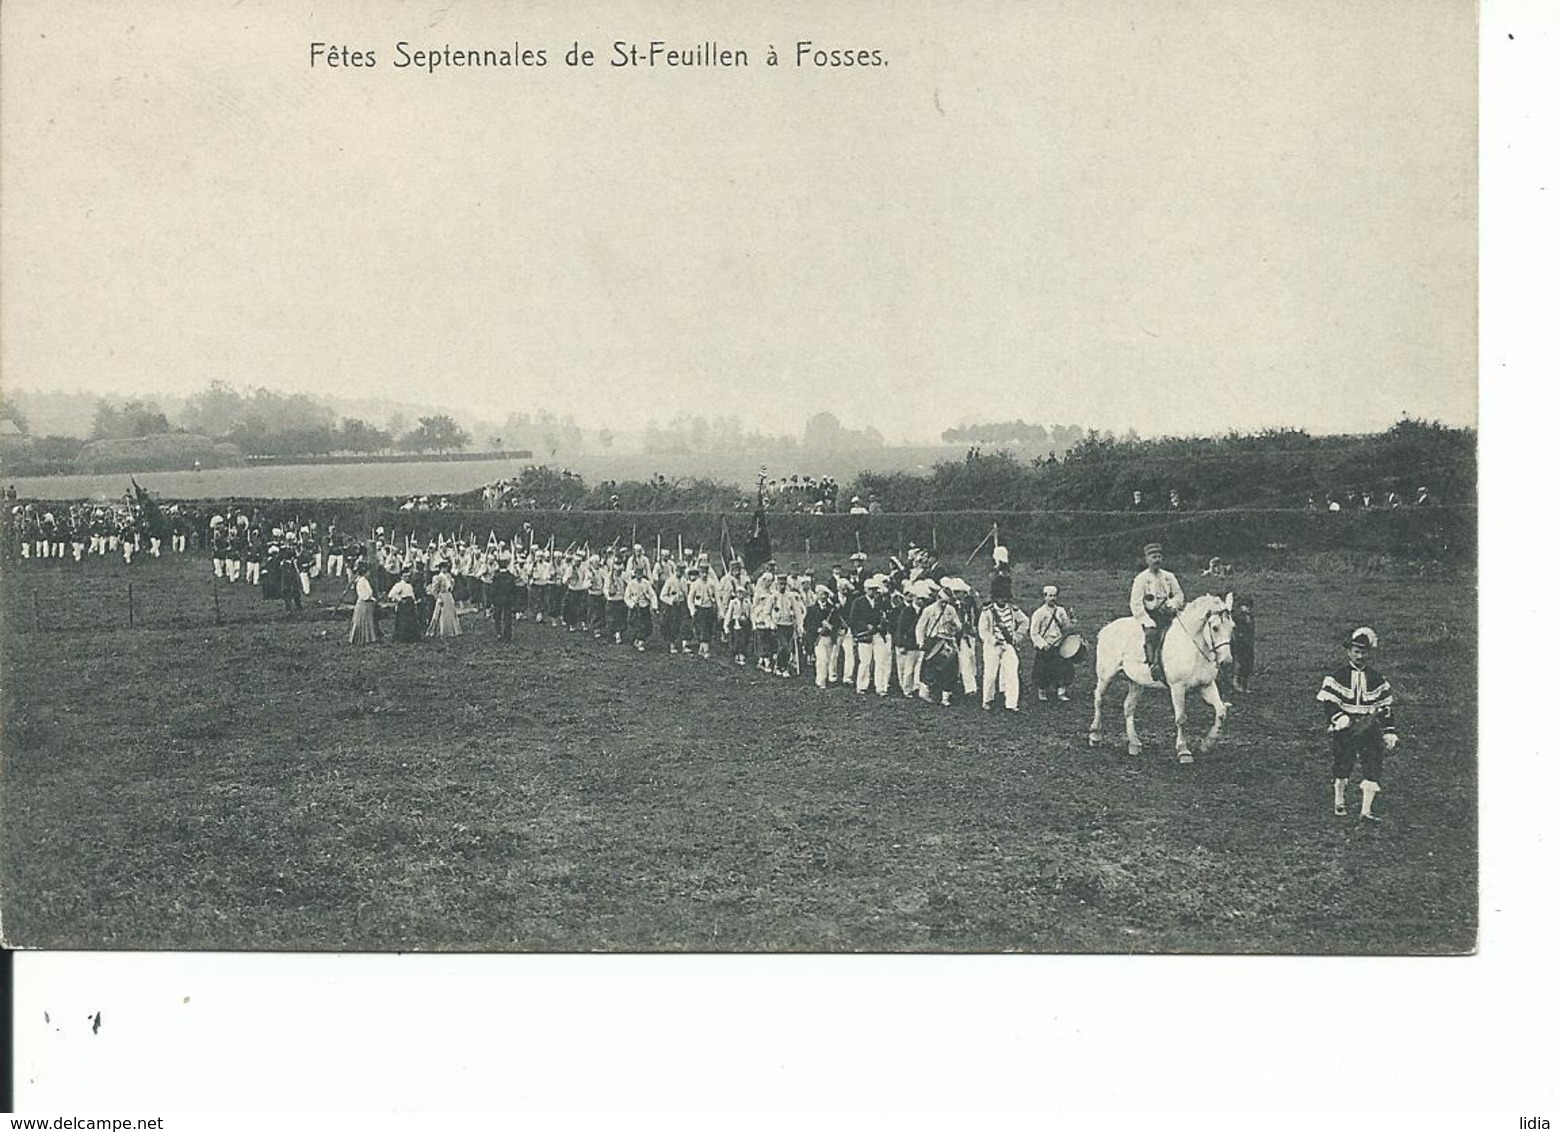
{"x": 874, "y": 664}
{"x": 967, "y": 670}
{"x": 824, "y": 655}
{"x": 847, "y": 647}
{"x": 1001, "y": 674}
{"x": 909, "y": 664}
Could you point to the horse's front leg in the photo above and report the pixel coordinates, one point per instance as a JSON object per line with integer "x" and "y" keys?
{"x": 1183, "y": 749}
{"x": 1095, "y": 727}
{"x": 1129, "y": 710}
{"x": 1210, "y": 695}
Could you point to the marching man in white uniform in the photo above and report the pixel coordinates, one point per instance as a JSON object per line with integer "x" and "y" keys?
{"x": 1002, "y": 626}
{"x": 1047, "y": 628}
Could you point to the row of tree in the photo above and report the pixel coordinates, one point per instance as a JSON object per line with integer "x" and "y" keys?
{"x": 259, "y": 422}
{"x": 262, "y": 422}
{"x": 1279, "y": 469}
{"x": 266, "y": 423}
{"x": 1010, "y": 464}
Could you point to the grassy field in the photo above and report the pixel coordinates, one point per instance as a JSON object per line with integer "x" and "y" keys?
{"x": 342, "y": 481}
{"x": 260, "y": 784}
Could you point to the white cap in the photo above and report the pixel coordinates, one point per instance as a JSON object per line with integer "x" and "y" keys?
{"x": 1000, "y": 556}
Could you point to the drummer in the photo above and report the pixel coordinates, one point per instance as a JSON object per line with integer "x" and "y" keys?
{"x": 1056, "y": 646}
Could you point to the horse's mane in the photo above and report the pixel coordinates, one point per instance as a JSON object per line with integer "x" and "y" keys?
{"x": 1206, "y": 604}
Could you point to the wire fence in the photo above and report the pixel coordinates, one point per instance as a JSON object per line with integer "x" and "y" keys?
{"x": 173, "y": 592}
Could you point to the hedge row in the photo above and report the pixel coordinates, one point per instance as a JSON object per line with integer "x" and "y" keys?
{"x": 1444, "y": 534}
{"x": 174, "y": 451}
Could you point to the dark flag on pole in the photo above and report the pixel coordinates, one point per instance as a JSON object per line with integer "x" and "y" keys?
{"x": 756, "y": 551}
{"x": 151, "y": 514}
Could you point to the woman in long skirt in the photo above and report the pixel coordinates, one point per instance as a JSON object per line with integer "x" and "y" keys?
{"x": 364, "y": 631}
{"x": 408, "y": 618}
{"x": 446, "y": 622}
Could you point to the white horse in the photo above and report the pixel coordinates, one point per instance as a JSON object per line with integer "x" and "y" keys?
{"x": 1194, "y": 647}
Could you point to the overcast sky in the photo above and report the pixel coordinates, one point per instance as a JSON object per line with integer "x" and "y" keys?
{"x": 1179, "y": 218}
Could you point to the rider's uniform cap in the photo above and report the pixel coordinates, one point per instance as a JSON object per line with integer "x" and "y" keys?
{"x": 1364, "y": 637}
{"x": 1151, "y": 548}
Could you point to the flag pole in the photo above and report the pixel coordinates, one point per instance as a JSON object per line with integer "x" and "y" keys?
{"x": 982, "y": 543}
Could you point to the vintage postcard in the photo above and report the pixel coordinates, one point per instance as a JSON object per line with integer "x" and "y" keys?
{"x": 740, "y": 478}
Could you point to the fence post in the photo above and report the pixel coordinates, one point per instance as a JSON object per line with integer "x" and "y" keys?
{"x": 130, "y": 592}
{"x": 216, "y": 601}
{"x": 37, "y": 614}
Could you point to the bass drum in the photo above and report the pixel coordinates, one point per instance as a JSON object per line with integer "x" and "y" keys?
{"x": 940, "y": 670}
{"x": 1071, "y": 646}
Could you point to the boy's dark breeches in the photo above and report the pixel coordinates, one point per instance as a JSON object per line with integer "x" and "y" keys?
{"x": 1362, "y": 742}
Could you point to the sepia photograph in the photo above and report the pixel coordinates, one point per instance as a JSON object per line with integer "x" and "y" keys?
{"x": 994, "y": 478}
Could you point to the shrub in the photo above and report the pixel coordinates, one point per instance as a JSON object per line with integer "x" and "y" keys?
{"x": 171, "y": 451}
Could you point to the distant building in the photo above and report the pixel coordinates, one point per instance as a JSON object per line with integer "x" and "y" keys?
{"x": 14, "y": 445}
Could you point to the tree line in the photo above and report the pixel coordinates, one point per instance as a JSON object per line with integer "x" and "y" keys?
{"x": 251, "y": 423}
{"x": 1013, "y": 465}
{"x": 1279, "y": 469}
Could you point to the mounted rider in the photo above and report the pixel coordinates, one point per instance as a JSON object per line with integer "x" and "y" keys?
{"x": 1156, "y": 599}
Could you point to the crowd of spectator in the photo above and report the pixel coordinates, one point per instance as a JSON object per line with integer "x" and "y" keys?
{"x": 427, "y": 503}
{"x": 1366, "y": 499}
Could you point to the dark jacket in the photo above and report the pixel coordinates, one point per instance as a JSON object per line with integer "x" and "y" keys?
{"x": 503, "y": 588}
{"x": 822, "y": 622}
{"x": 866, "y": 619}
